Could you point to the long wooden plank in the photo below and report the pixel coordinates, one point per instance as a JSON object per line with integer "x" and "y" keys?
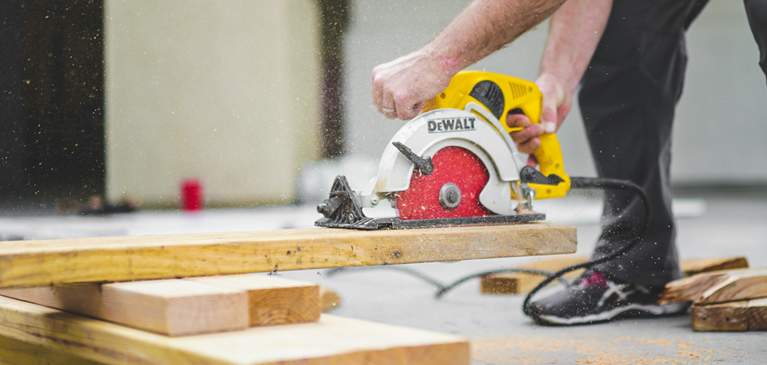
{"x": 46, "y": 262}
{"x": 171, "y": 307}
{"x": 332, "y": 340}
{"x": 272, "y": 300}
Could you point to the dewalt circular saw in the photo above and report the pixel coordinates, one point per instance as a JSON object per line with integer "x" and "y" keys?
{"x": 455, "y": 164}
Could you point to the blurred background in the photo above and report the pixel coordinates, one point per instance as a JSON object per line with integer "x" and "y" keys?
{"x": 264, "y": 102}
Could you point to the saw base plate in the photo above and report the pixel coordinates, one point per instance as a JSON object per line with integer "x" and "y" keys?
{"x": 396, "y": 223}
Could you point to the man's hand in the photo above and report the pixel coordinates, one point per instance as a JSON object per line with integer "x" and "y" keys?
{"x": 557, "y": 102}
{"x": 401, "y": 87}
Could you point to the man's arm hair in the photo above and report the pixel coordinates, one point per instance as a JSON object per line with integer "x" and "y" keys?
{"x": 484, "y": 27}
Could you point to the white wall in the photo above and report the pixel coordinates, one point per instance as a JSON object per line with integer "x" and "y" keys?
{"x": 227, "y": 91}
{"x": 720, "y": 130}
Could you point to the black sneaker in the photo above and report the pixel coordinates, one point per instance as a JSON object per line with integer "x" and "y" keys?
{"x": 594, "y": 298}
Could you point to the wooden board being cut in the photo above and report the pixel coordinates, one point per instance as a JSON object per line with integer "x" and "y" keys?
{"x": 717, "y": 287}
{"x": 272, "y": 300}
{"x": 171, "y": 307}
{"x": 744, "y": 315}
{"x": 46, "y": 262}
{"x": 332, "y": 340}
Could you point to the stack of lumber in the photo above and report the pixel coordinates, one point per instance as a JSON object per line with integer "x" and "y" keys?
{"x": 520, "y": 283}
{"x": 192, "y": 299}
{"x": 732, "y": 300}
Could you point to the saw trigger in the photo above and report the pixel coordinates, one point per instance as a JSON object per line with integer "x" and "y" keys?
{"x": 529, "y": 174}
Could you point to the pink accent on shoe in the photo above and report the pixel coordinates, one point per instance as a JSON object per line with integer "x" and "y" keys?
{"x": 596, "y": 279}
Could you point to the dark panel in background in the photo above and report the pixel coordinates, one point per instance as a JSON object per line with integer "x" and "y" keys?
{"x": 59, "y": 130}
{"x": 12, "y": 122}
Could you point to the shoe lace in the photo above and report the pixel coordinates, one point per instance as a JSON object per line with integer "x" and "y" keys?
{"x": 613, "y": 288}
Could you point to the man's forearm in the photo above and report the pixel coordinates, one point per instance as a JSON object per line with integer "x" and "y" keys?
{"x": 574, "y": 32}
{"x": 484, "y": 27}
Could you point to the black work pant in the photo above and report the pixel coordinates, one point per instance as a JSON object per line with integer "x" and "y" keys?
{"x": 627, "y": 101}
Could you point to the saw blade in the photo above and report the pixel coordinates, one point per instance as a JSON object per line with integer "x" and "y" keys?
{"x": 451, "y": 191}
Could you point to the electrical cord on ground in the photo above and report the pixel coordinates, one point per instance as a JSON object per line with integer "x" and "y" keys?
{"x": 441, "y": 288}
{"x": 596, "y": 183}
{"x": 445, "y": 289}
{"x": 406, "y": 270}
{"x": 575, "y": 183}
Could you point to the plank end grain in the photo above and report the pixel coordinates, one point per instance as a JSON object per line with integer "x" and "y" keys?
{"x": 273, "y": 300}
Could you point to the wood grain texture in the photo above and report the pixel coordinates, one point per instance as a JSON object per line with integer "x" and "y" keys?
{"x": 332, "y": 340}
{"x": 518, "y": 283}
{"x": 15, "y": 352}
{"x": 717, "y": 287}
{"x": 170, "y": 307}
{"x": 697, "y": 266}
{"x": 330, "y": 299}
{"x": 720, "y": 317}
{"x": 46, "y": 262}
{"x": 757, "y": 314}
{"x": 744, "y": 315}
{"x": 272, "y": 300}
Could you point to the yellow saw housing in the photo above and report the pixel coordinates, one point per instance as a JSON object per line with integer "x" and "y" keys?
{"x": 499, "y": 95}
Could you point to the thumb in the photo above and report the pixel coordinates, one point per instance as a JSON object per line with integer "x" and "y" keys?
{"x": 552, "y": 99}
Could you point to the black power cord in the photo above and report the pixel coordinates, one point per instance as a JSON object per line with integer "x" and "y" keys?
{"x": 575, "y": 183}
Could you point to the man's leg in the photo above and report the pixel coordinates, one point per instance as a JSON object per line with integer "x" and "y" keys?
{"x": 627, "y": 99}
{"x": 756, "y": 10}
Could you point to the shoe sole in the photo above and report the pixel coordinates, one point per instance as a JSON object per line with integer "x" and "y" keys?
{"x": 654, "y": 310}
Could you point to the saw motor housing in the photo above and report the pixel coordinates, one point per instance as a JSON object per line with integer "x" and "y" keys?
{"x": 499, "y": 95}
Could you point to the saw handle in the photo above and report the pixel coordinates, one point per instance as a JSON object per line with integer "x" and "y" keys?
{"x": 508, "y": 95}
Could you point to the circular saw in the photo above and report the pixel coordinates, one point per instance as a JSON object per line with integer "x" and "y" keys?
{"x": 455, "y": 164}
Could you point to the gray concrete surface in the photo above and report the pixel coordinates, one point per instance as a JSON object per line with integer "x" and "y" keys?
{"x": 711, "y": 225}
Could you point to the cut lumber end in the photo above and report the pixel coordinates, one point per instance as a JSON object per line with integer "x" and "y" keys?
{"x": 720, "y": 317}
{"x": 757, "y": 314}
{"x": 501, "y": 283}
{"x": 330, "y": 299}
{"x": 170, "y": 307}
{"x": 273, "y": 300}
{"x": 697, "y": 266}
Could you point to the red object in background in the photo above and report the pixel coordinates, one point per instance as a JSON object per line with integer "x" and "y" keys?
{"x": 191, "y": 195}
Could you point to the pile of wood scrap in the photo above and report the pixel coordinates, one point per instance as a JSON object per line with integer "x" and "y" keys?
{"x": 192, "y": 299}
{"x": 731, "y": 300}
{"x": 521, "y": 283}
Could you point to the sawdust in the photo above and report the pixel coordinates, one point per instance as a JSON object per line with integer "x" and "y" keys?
{"x": 589, "y": 349}
{"x": 657, "y": 342}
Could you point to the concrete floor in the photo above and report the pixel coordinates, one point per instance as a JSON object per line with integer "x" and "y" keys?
{"x": 710, "y": 225}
